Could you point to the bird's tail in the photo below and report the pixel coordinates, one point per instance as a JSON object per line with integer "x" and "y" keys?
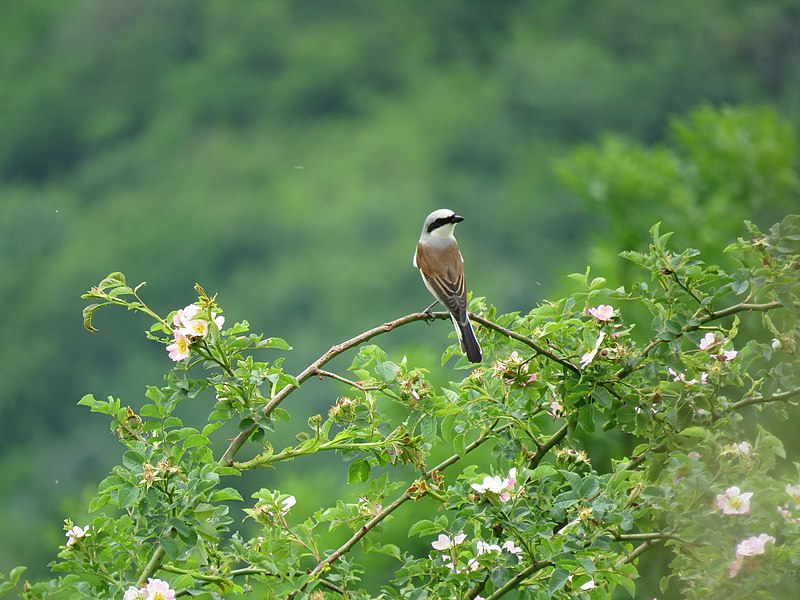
{"x": 469, "y": 343}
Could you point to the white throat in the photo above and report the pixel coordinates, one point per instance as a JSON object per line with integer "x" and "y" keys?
{"x": 445, "y": 231}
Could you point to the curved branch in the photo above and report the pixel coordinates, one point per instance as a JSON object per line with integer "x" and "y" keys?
{"x": 779, "y": 397}
{"x": 314, "y": 368}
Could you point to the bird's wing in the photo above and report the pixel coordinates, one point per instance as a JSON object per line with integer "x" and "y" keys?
{"x": 443, "y": 271}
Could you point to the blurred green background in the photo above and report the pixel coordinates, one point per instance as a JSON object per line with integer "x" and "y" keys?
{"x": 285, "y": 153}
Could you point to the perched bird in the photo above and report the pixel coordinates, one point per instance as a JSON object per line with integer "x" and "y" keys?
{"x": 442, "y": 269}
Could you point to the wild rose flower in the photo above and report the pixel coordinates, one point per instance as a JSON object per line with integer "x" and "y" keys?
{"x": 484, "y": 547}
{"x": 496, "y": 485}
{"x": 134, "y": 593}
{"x": 197, "y": 328}
{"x": 511, "y": 547}
{"x": 589, "y": 585}
{"x": 158, "y": 590}
{"x": 490, "y": 484}
{"x": 184, "y": 315}
{"x": 752, "y": 546}
{"x": 681, "y": 377}
{"x": 76, "y": 533}
{"x": 707, "y": 341}
{"x": 729, "y": 354}
{"x": 287, "y": 504}
{"x": 589, "y": 356}
{"x": 734, "y": 502}
{"x": 741, "y": 448}
{"x": 604, "y": 312}
{"x": 445, "y": 542}
{"x": 794, "y": 492}
{"x": 179, "y": 349}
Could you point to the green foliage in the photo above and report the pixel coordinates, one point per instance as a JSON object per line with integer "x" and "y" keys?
{"x": 248, "y": 145}
{"x": 543, "y": 518}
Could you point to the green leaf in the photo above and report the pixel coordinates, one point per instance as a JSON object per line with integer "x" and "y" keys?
{"x": 586, "y": 419}
{"x": 424, "y": 527}
{"x": 224, "y": 494}
{"x": 275, "y": 342}
{"x": 558, "y": 580}
{"x": 695, "y": 431}
{"x": 16, "y": 573}
{"x": 150, "y": 410}
{"x": 358, "y": 471}
{"x": 196, "y": 439}
{"x": 170, "y": 546}
{"x": 390, "y": 549}
{"x": 428, "y": 428}
{"x": 542, "y": 471}
{"x": 128, "y": 495}
{"x": 387, "y": 370}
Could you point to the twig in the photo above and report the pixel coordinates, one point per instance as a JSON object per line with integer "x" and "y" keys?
{"x": 702, "y": 320}
{"x": 519, "y": 577}
{"x": 313, "y": 368}
{"x": 638, "y": 551}
{"x": 525, "y": 340}
{"x": 779, "y": 397}
{"x": 638, "y": 537}
{"x": 364, "y": 388}
{"x": 542, "y": 450}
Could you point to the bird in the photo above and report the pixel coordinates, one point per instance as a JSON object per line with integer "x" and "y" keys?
{"x": 441, "y": 265}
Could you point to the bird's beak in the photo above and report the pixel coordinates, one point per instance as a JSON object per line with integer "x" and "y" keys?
{"x": 456, "y": 219}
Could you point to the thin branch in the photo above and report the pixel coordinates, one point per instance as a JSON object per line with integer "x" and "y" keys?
{"x": 399, "y": 501}
{"x": 743, "y": 307}
{"x": 152, "y": 565}
{"x": 711, "y": 316}
{"x": 638, "y": 551}
{"x": 313, "y": 368}
{"x": 364, "y": 388}
{"x": 779, "y": 397}
{"x": 638, "y": 537}
{"x": 542, "y": 450}
{"x": 519, "y": 578}
{"x": 525, "y": 340}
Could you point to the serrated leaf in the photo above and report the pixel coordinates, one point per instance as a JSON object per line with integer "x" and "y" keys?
{"x": 428, "y": 428}
{"x": 170, "y": 546}
{"x": 558, "y": 580}
{"x": 127, "y": 495}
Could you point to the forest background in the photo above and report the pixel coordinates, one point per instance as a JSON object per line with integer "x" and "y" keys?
{"x": 284, "y": 154}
